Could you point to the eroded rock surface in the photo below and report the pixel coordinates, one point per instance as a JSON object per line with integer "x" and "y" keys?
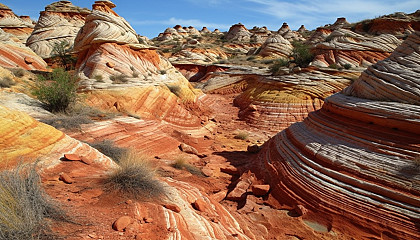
{"x": 19, "y": 27}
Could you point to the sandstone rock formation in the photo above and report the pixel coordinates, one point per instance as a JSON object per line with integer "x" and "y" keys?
{"x": 341, "y": 22}
{"x": 288, "y": 34}
{"x": 60, "y": 22}
{"x": 302, "y": 29}
{"x": 205, "y": 30}
{"x": 24, "y": 138}
{"x": 346, "y": 47}
{"x": 319, "y": 35}
{"x": 276, "y": 46}
{"x": 16, "y": 55}
{"x": 274, "y": 103}
{"x": 20, "y": 27}
{"x": 352, "y": 164}
{"x": 238, "y": 33}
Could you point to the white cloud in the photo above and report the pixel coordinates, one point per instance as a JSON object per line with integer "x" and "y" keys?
{"x": 314, "y": 13}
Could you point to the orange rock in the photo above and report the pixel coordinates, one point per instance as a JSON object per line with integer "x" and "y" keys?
{"x": 121, "y": 223}
{"x": 66, "y": 178}
{"x": 29, "y": 60}
{"x": 218, "y": 197}
{"x": 72, "y": 157}
{"x": 110, "y": 64}
{"x": 200, "y": 205}
{"x": 172, "y": 207}
{"x": 188, "y": 149}
{"x": 260, "y": 190}
{"x": 301, "y": 210}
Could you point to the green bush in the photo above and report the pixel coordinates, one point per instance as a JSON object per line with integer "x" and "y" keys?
{"x": 6, "y": 82}
{"x": 279, "y": 63}
{"x": 61, "y": 52}
{"x": 119, "y": 78}
{"x": 135, "y": 178}
{"x": 347, "y": 66}
{"x": 162, "y": 72}
{"x": 333, "y": 66}
{"x": 25, "y": 209}
{"x": 302, "y": 54}
{"x": 57, "y": 90}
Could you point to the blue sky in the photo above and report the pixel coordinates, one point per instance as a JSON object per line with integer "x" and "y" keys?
{"x": 149, "y": 17}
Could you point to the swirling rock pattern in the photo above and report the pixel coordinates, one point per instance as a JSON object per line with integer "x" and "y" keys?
{"x": 347, "y": 47}
{"x": 24, "y": 138}
{"x": 274, "y": 103}
{"x": 61, "y": 21}
{"x": 276, "y": 46}
{"x": 20, "y": 27}
{"x": 352, "y": 163}
{"x": 16, "y": 55}
{"x": 238, "y": 33}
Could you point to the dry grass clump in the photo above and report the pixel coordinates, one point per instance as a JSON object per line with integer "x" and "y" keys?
{"x": 242, "y": 135}
{"x": 109, "y": 148}
{"x": 62, "y": 121}
{"x": 119, "y": 79}
{"x": 18, "y": 72}
{"x": 25, "y": 209}
{"x": 182, "y": 164}
{"x": 6, "y": 82}
{"x": 135, "y": 178}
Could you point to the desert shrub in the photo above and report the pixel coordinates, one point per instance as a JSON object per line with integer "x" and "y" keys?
{"x": 135, "y": 178}
{"x": 57, "y": 90}
{"x": 279, "y": 63}
{"x": 302, "y": 54}
{"x": 66, "y": 121}
{"x": 347, "y": 66}
{"x": 329, "y": 38}
{"x": 25, "y": 209}
{"x": 6, "y": 82}
{"x": 182, "y": 164}
{"x": 242, "y": 135}
{"x": 98, "y": 78}
{"x": 333, "y": 66}
{"x": 119, "y": 78}
{"x": 250, "y": 58}
{"x": 61, "y": 52}
{"x": 18, "y": 72}
{"x": 109, "y": 148}
{"x": 162, "y": 72}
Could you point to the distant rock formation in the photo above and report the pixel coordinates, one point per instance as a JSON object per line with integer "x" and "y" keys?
{"x": 61, "y": 21}
{"x": 288, "y": 34}
{"x": 302, "y": 29}
{"x": 238, "y": 33}
{"x": 178, "y": 32}
{"x": 16, "y": 55}
{"x": 346, "y": 47}
{"x": 319, "y": 35}
{"x": 276, "y": 46}
{"x": 20, "y": 27}
{"x": 341, "y": 22}
{"x": 205, "y": 30}
{"x": 353, "y": 164}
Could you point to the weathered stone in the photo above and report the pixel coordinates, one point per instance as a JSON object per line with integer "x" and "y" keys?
{"x": 121, "y": 223}
{"x": 260, "y": 190}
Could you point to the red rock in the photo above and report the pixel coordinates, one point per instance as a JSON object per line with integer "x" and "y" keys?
{"x": 230, "y": 170}
{"x": 29, "y": 60}
{"x": 218, "y": 197}
{"x": 200, "y": 205}
{"x": 301, "y": 210}
{"x": 239, "y": 192}
{"x": 188, "y": 149}
{"x": 72, "y": 157}
{"x": 121, "y": 223}
{"x": 260, "y": 190}
{"x": 173, "y": 207}
{"x": 148, "y": 220}
{"x": 66, "y": 178}
{"x": 110, "y": 64}
{"x": 86, "y": 160}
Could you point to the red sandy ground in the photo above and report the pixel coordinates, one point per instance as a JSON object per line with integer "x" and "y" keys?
{"x": 92, "y": 210}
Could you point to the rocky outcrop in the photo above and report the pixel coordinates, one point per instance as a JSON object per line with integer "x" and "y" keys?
{"x": 288, "y": 34}
{"x": 276, "y": 46}
{"x": 238, "y": 33}
{"x": 353, "y": 164}
{"x": 341, "y": 22}
{"x": 60, "y": 22}
{"x": 205, "y": 30}
{"x": 274, "y": 103}
{"x": 319, "y": 35}
{"x": 24, "y": 138}
{"x": 16, "y": 55}
{"x": 346, "y": 47}
{"x": 302, "y": 29}
{"x": 20, "y": 27}
{"x": 198, "y": 56}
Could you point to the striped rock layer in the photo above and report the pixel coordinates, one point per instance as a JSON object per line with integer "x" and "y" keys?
{"x": 274, "y": 103}
{"x": 353, "y": 164}
{"x": 60, "y": 22}
{"x": 276, "y": 46}
{"x": 19, "y": 27}
{"x": 346, "y": 47}
{"x": 25, "y": 139}
{"x": 16, "y": 55}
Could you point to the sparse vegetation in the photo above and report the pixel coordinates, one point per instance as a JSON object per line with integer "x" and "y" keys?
{"x": 61, "y": 52}
{"x": 6, "y": 82}
{"x": 98, "y": 78}
{"x": 302, "y": 54}
{"x": 135, "y": 178}
{"x": 175, "y": 89}
{"x": 119, "y": 78}
{"x": 57, "y": 91}
{"x": 18, "y": 72}
{"x": 109, "y": 148}
{"x": 347, "y": 66}
{"x": 242, "y": 135}
{"x": 279, "y": 63}
{"x": 162, "y": 72}
{"x": 67, "y": 122}
{"x": 25, "y": 209}
{"x": 333, "y": 66}
{"x": 182, "y": 164}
